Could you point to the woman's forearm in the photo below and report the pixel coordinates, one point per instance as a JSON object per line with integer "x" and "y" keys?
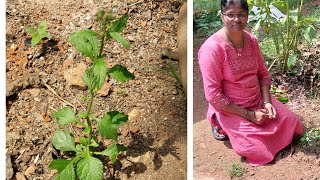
{"x": 265, "y": 91}
{"x": 235, "y": 109}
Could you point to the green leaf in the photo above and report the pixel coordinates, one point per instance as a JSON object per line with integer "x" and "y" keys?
{"x": 47, "y": 35}
{"x": 63, "y": 141}
{"x": 88, "y": 78}
{"x": 119, "y": 24}
{"x": 93, "y": 143}
{"x": 32, "y": 31}
{"x": 292, "y": 60}
{"x": 107, "y": 129}
{"x": 86, "y": 42}
{"x": 309, "y": 33}
{"x": 83, "y": 141}
{"x": 82, "y": 114}
{"x": 117, "y": 36}
{"x": 120, "y": 73}
{"x": 117, "y": 117}
{"x": 283, "y": 99}
{"x": 65, "y": 116}
{"x": 99, "y": 72}
{"x": 35, "y": 39}
{"x": 112, "y": 151}
{"x": 90, "y": 168}
{"x": 42, "y": 27}
{"x": 65, "y": 169}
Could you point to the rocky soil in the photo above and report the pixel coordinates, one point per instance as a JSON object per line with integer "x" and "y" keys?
{"x": 42, "y": 79}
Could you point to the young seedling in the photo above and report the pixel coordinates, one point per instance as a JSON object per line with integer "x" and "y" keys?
{"x": 86, "y": 163}
{"x": 39, "y": 33}
{"x": 236, "y": 170}
{"x": 310, "y": 138}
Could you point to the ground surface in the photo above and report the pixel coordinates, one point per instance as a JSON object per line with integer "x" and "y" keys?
{"x": 213, "y": 159}
{"x": 156, "y": 131}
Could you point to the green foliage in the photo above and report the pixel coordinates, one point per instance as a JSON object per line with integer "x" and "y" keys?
{"x": 206, "y": 17}
{"x": 310, "y": 138}
{"x": 279, "y": 94}
{"x": 236, "y": 170}
{"x": 39, "y": 33}
{"x": 286, "y": 32}
{"x": 85, "y": 165}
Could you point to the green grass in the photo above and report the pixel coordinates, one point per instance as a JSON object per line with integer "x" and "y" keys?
{"x": 236, "y": 170}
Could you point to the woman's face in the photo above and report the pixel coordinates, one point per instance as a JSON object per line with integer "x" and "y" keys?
{"x": 234, "y": 18}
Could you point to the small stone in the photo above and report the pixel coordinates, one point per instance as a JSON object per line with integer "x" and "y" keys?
{"x": 73, "y": 76}
{"x": 30, "y": 56}
{"x": 30, "y": 170}
{"x": 131, "y": 38}
{"x": 9, "y": 169}
{"x": 14, "y": 47}
{"x": 20, "y": 176}
{"x": 134, "y": 129}
{"x": 105, "y": 89}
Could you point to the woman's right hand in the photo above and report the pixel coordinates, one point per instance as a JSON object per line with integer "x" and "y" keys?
{"x": 261, "y": 115}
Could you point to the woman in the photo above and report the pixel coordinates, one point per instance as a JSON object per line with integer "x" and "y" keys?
{"x": 237, "y": 87}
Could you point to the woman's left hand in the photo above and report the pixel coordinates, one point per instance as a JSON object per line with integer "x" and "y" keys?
{"x": 271, "y": 110}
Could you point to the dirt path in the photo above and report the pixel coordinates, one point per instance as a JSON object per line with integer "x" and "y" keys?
{"x": 156, "y": 133}
{"x": 213, "y": 159}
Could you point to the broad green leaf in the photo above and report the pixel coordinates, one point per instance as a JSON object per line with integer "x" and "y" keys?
{"x": 120, "y": 73}
{"x": 35, "y": 39}
{"x": 283, "y": 99}
{"x": 63, "y": 141}
{"x": 117, "y": 117}
{"x": 86, "y": 130}
{"x": 309, "y": 33}
{"x": 65, "y": 169}
{"x": 112, "y": 151}
{"x": 119, "y": 24}
{"x": 90, "y": 168}
{"x": 107, "y": 129}
{"x": 42, "y": 27}
{"x": 93, "y": 143}
{"x": 82, "y": 114}
{"x": 292, "y": 60}
{"x": 65, "y": 116}
{"x": 99, "y": 72}
{"x": 117, "y": 36}
{"x": 32, "y": 31}
{"x": 86, "y": 42}
{"x": 80, "y": 148}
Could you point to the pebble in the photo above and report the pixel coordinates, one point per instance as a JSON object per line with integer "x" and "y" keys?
{"x": 30, "y": 170}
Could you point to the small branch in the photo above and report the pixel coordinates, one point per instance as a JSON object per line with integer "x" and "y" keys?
{"x": 54, "y": 92}
{"x": 133, "y": 4}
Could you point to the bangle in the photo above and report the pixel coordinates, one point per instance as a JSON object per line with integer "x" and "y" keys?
{"x": 247, "y": 114}
{"x": 266, "y": 102}
{"x": 253, "y": 116}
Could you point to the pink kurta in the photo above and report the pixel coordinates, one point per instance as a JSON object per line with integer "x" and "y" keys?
{"x": 227, "y": 78}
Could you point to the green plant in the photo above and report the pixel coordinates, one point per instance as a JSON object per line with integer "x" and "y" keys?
{"x": 85, "y": 163}
{"x": 286, "y": 32}
{"x": 174, "y": 72}
{"x": 310, "y": 138}
{"x": 236, "y": 170}
{"x": 39, "y": 33}
{"x": 280, "y": 94}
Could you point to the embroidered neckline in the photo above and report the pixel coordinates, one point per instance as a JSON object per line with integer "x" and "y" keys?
{"x": 239, "y": 54}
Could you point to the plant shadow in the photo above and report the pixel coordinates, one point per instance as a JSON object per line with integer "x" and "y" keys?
{"x": 140, "y": 146}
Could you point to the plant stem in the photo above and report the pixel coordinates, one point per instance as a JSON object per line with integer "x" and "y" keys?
{"x": 88, "y": 112}
{"x": 102, "y": 44}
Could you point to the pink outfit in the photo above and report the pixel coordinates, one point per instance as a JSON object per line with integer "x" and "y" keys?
{"x": 227, "y": 78}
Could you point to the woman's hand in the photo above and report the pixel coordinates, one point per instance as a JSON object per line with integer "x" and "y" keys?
{"x": 271, "y": 110}
{"x": 260, "y": 116}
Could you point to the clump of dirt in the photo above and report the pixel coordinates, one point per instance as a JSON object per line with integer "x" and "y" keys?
{"x": 156, "y": 133}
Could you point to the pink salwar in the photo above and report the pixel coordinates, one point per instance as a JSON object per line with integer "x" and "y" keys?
{"x": 227, "y": 78}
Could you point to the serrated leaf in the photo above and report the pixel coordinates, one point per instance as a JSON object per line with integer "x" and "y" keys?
{"x": 82, "y": 114}
{"x": 65, "y": 169}
{"x": 120, "y": 73}
{"x": 117, "y": 36}
{"x": 86, "y": 42}
{"x": 90, "y": 168}
{"x": 117, "y": 117}
{"x": 99, "y": 72}
{"x": 107, "y": 129}
{"x": 119, "y": 24}
{"x": 112, "y": 151}
{"x": 65, "y": 116}
{"x": 32, "y": 31}
{"x": 87, "y": 78}
{"x": 42, "y": 27}
{"x": 35, "y": 39}
{"x": 62, "y": 140}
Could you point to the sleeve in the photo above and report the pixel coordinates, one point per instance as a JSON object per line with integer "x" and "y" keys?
{"x": 211, "y": 69}
{"x": 263, "y": 74}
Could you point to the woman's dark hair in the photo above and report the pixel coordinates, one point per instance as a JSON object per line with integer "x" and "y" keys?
{"x": 226, "y": 3}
